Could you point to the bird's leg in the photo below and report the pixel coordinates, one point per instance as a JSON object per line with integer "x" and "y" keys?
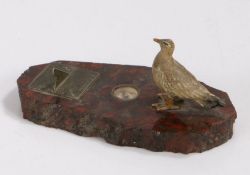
{"x": 162, "y": 101}
{"x": 166, "y": 103}
{"x": 162, "y": 96}
{"x": 170, "y": 104}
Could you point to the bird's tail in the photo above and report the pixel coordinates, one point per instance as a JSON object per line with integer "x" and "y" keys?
{"x": 211, "y": 101}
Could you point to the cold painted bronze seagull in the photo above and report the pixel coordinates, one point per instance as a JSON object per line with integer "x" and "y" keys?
{"x": 176, "y": 82}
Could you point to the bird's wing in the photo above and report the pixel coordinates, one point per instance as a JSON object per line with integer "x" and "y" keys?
{"x": 184, "y": 84}
{"x": 182, "y": 73}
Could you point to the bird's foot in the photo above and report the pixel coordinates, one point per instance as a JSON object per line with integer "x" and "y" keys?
{"x": 166, "y": 105}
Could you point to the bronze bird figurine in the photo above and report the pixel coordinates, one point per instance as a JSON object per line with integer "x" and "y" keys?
{"x": 176, "y": 82}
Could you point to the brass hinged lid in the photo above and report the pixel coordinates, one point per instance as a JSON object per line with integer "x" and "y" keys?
{"x": 63, "y": 80}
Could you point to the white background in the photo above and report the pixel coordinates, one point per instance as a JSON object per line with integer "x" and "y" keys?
{"x": 212, "y": 40}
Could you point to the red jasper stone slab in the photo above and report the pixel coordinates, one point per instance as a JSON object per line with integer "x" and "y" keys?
{"x": 128, "y": 123}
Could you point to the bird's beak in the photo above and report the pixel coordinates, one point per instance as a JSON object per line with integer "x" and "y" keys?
{"x": 157, "y": 40}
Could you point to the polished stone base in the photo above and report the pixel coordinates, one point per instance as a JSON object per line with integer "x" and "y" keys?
{"x": 128, "y": 122}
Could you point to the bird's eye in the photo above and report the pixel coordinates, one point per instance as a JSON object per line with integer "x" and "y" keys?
{"x": 167, "y": 44}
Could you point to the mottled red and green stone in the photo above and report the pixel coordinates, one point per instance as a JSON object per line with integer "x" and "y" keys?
{"x": 128, "y": 123}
